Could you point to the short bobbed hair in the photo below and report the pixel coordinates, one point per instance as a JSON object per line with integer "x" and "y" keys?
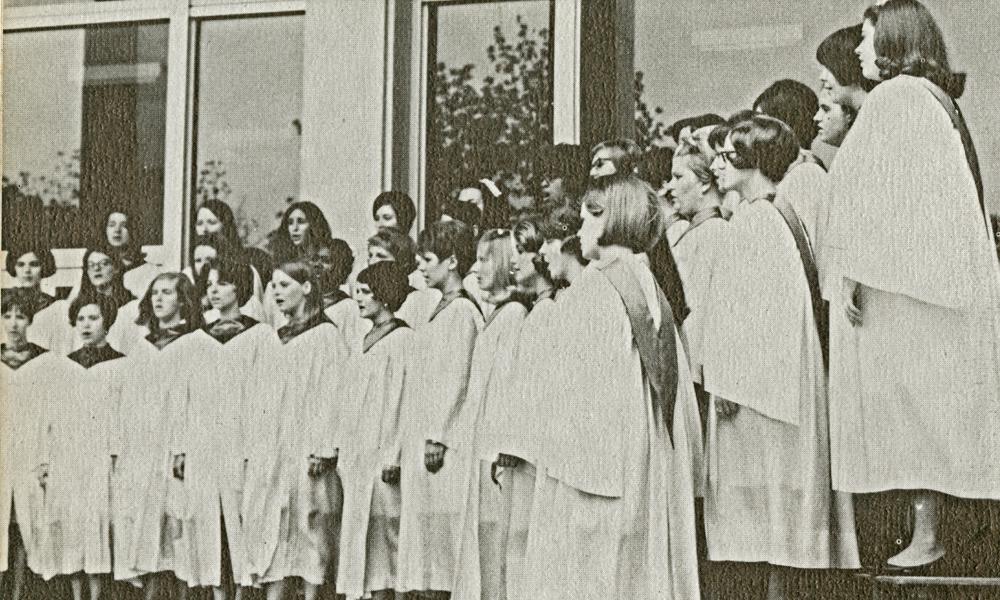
{"x": 765, "y": 144}
{"x": 402, "y": 205}
{"x": 43, "y": 254}
{"x": 794, "y": 103}
{"x": 388, "y": 282}
{"x": 399, "y": 245}
{"x": 908, "y": 41}
{"x": 106, "y": 304}
{"x": 21, "y": 299}
{"x": 447, "y": 239}
{"x": 234, "y": 272}
{"x": 634, "y": 219}
{"x": 496, "y": 243}
{"x": 625, "y": 155}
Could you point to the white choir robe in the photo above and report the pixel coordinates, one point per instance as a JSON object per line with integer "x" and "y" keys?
{"x": 419, "y": 306}
{"x": 291, "y": 520}
{"x": 347, "y": 317}
{"x": 80, "y": 420}
{"x": 51, "y": 329}
{"x": 147, "y": 501}
{"x": 697, "y": 255}
{"x": 431, "y": 507}
{"x": 803, "y": 187}
{"x": 26, "y": 393}
{"x": 768, "y": 496}
{"x": 470, "y": 283}
{"x": 137, "y": 279}
{"x": 613, "y": 513}
{"x": 370, "y": 531}
{"x": 217, "y": 432}
{"x": 492, "y": 546}
{"x": 914, "y": 390}
{"x": 56, "y": 330}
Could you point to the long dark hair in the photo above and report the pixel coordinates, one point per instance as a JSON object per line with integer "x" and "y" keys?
{"x": 119, "y": 293}
{"x": 187, "y": 296}
{"x": 908, "y": 41}
{"x": 130, "y": 255}
{"x": 227, "y": 219}
{"x": 281, "y": 246}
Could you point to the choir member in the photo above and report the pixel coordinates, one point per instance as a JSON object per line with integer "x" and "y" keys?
{"x": 147, "y": 493}
{"x": 621, "y": 156}
{"x": 840, "y": 72}
{"x": 224, "y": 391}
{"x": 768, "y": 497}
{"x": 613, "y": 515}
{"x": 915, "y": 385}
{"x": 77, "y": 453}
{"x": 655, "y": 170}
{"x": 215, "y": 217}
{"x": 369, "y": 460}
{"x": 793, "y": 103}
{"x": 694, "y": 191}
{"x": 389, "y": 244}
{"x": 29, "y": 265}
{"x": 432, "y": 489}
{"x": 102, "y": 275}
{"x": 562, "y": 253}
{"x": 292, "y": 497}
{"x": 563, "y": 168}
{"x": 26, "y": 378}
{"x": 302, "y": 227}
{"x": 333, "y": 260}
{"x": 500, "y": 484}
{"x": 125, "y": 248}
{"x": 468, "y": 213}
{"x": 394, "y": 209}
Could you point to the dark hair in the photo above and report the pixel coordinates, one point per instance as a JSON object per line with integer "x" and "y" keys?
{"x": 705, "y": 120}
{"x": 571, "y": 246}
{"x": 568, "y": 162}
{"x": 496, "y": 209}
{"x": 466, "y": 212}
{"x": 107, "y": 306}
{"x": 562, "y": 223}
{"x": 224, "y": 213}
{"x": 717, "y": 137}
{"x": 528, "y": 237}
{"x": 119, "y": 293}
{"x": 187, "y": 296}
{"x": 43, "y": 254}
{"x": 908, "y": 41}
{"x": 389, "y": 284}
{"x": 281, "y": 244}
{"x": 399, "y": 245}
{"x": 234, "y": 272}
{"x": 20, "y": 298}
{"x": 656, "y": 166}
{"x": 445, "y": 240}
{"x": 302, "y": 272}
{"x": 794, "y": 103}
{"x": 625, "y": 155}
{"x": 341, "y": 261}
{"x": 222, "y": 246}
{"x": 402, "y": 205}
{"x": 765, "y": 144}
{"x": 836, "y": 54}
{"x": 130, "y": 252}
{"x": 634, "y": 219}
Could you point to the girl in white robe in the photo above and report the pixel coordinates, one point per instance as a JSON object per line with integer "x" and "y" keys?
{"x": 490, "y": 555}
{"x": 390, "y": 244}
{"x": 369, "y": 461}
{"x": 433, "y": 489}
{"x": 28, "y": 266}
{"x": 915, "y": 381}
{"x": 147, "y": 491}
{"x": 768, "y": 497}
{"x": 77, "y": 454}
{"x": 613, "y": 514}
{"x": 28, "y": 375}
{"x": 206, "y": 248}
{"x": 223, "y": 392}
{"x": 292, "y": 496}
{"x": 334, "y": 260}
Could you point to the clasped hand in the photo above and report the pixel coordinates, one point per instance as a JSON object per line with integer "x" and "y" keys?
{"x": 434, "y": 455}
{"x": 319, "y": 465}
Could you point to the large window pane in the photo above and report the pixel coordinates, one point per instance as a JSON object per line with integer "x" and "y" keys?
{"x": 83, "y": 128}
{"x": 248, "y": 106}
{"x": 490, "y": 100}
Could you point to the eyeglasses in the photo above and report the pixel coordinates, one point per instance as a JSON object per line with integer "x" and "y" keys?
{"x": 96, "y": 266}
{"x": 730, "y": 156}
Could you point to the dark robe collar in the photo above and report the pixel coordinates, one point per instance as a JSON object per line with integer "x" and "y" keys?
{"x": 446, "y": 300}
{"x": 88, "y": 356}
{"x": 162, "y": 338}
{"x": 223, "y": 330}
{"x": 703, "y": 215}
{"x": 379, "y": 333}
{"x": 40, "y": 299}
{"x": 295, "y": 329}
{"x": 16, "y": 360}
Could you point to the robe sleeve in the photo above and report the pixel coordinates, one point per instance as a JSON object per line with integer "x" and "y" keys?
{"x": 451, "y": 367}
{"x": 904, "y": 215}
{"x": 329, "y": 395}
{"x": 395, "y": 389}
{"x": 509, "y": 405}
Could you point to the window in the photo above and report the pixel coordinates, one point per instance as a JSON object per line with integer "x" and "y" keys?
{"x": 248, "y": 105}
{"x": 489, "y": 100}
{"x": 83, "y": 129}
